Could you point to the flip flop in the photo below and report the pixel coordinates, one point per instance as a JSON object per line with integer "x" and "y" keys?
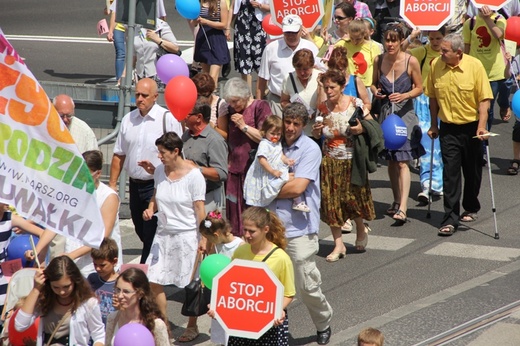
{"x": 446, "y": 231}
{"x": 513, "y": 169}
{"x": 505, "y": 114}
{"x": 468, "y": 217}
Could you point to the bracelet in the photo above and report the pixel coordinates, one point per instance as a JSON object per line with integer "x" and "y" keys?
{"x": 160, "y": 43}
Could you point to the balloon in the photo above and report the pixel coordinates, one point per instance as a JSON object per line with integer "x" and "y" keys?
{"x": 515, "y": 104}
{"x": 16, "y": 338}
{"x": 211, "y": 266}
{"x": 189, "y": 9}
{"x": 18, "y": 246}
{"x": 134, "y": 334}
{"x": 394, "y": 132}
{"x": 271, "y": 28}
{"x": 169, "y": 66}
{"x": 513, "y": 29}
{"x": 180, "y": 95}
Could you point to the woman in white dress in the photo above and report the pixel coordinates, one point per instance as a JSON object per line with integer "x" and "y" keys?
{"x": 178, "y": 200}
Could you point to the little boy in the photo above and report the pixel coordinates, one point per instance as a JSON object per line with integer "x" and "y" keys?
{"x": 370, "y": 337}
{"x": 104, "y": 279}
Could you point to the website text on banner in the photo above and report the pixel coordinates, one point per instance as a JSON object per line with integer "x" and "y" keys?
{"x": 42, "y": 172}
{"x": 427, "y": 14}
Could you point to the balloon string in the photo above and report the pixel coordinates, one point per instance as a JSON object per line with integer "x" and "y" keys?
{"x": 206, "y": 36}
{"x": 513, "y": 72}
{"x": 393, "y": 89}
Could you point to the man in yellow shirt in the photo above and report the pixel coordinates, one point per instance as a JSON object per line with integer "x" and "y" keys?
{"x": 460, "y": 94}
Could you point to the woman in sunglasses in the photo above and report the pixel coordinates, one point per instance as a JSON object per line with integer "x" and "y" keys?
{"x": 344, "y": 13}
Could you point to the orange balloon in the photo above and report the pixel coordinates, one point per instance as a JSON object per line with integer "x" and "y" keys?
{"x": 271, "y": 28}
{"x": 17, "y": 338}
{"x": 180, "y": 95}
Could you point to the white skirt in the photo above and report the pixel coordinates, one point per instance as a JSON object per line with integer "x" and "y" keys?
{"x": 172, "y": 257}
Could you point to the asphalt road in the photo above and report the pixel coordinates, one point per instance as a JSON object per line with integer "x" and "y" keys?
{"x": 410, "y": 283}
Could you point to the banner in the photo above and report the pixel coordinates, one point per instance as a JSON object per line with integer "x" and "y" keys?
{"x": 42, "y": 172}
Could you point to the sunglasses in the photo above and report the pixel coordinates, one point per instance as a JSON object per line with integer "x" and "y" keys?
{"x": 339, "y": 18}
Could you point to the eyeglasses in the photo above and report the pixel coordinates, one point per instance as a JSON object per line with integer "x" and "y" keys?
{"x": 339, "y": 18}
{"x": 68, "y": 116}
{"x": 126, "y": 293}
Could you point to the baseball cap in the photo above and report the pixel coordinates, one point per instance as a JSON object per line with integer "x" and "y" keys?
{"x": 291, "y": 23}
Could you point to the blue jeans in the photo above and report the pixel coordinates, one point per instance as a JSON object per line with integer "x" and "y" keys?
{"x": 501, "y": 90}
{"x": 119, "y": 45}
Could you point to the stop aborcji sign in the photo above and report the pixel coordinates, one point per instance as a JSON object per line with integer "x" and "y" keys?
{"x": 493, "y": 4}
{"x": 247, "y": 297}
{"x": 310, "y": 11}
{"x": 427, "y": 14}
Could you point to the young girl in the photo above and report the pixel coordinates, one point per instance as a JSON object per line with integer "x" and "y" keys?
{"x": 270, "y": 170}
{"x": 70, "y": 313}
{"x": 136, "y": 305}
{"x": 218, "y": 232}
{"x": 265, "y": 236}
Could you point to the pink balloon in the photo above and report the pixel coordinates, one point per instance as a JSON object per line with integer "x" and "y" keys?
{"x": 180, "y": 95}
{"x": 170, "y": 66}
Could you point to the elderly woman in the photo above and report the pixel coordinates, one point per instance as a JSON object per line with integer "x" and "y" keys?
{"x": 344, "y": 180}
{"x": 302, "y": 84}
{"x": 396, "y": 82}
{"x": 243, "y": 122}
{"x": 219, "y": 107}
{"x": 178, "y": 199}
{"x": 149, "y": 45}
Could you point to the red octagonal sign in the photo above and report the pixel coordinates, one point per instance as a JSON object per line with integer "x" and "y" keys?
{"x": 427, "y": 14}
{"x": 310, "y": 11}
{"x": 495, "y": 5}
{"x": 247, "y": 297}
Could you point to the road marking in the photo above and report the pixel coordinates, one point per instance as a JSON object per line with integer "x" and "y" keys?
{"x": 376, "y": 242}
{"x": 492, "y": 253}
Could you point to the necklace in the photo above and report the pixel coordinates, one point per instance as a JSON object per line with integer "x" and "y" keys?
{"x": 58, "y": 301}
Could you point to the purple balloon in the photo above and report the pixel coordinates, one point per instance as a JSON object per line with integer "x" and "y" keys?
{"x": 169, "y": 66}
{"x": 134, "y": 334}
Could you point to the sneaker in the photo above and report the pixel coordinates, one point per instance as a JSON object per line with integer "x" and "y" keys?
{"x": 301, "y": 207}
{"x": 423, "y": 197}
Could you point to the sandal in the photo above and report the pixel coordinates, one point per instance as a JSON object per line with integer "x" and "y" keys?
{"x": 394, "y": 208}
{"x": 400, "y": 218}
{"x": 513, "y": 169}
{"x": 446, "y": 230}
{"x": 347, "y": 226}
{"x": 361, "y": 245}
{"x": 335, "y": 256}
{"x": 505, "y": 114}
{"x": 468, "y": 217}
{"x": 190, "y": 334}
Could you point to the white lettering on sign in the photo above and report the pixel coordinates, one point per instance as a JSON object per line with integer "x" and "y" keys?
{"x": 241, "y": 304}
{"x": 429, "y": 7}
{"x": 301, "y": 11}
{"x": 246, "y": 289}
{"x": 400, "y": 131}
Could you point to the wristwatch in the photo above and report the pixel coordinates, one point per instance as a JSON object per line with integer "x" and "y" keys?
{"x": 245, "y": 128}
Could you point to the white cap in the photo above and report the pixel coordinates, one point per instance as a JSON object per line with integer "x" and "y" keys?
{"x": 291, "y": 23}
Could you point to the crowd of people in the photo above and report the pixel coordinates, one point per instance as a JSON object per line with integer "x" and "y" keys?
{"x": 295, "y": 151}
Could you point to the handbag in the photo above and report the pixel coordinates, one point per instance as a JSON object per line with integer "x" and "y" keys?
{"x": 198, "y": 296}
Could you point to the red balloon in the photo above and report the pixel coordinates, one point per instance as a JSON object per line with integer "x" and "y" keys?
{"x": 16, "y": 338}
{"x": 271, "y": 28}
{"x": 513, "y": 29}
{"x": 180, "y": 95}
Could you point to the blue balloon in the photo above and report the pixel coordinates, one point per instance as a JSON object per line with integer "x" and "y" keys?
{"x": 18, "y": 246}
{"x": 189, "y": 9}
{"x": 515, "y": 104}
{"x": 394, "y": 132}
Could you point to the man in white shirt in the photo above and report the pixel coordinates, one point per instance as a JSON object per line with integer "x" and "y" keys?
{"x": 136, "y": 143}
{"x": 80, "y": 131}
{"x": 277, "y": 61}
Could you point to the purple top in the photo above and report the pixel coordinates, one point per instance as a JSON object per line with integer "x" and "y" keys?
{"x": 238, "y": 142}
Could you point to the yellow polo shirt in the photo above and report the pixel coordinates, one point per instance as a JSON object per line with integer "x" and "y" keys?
{"x": 458, "y": 89}
{"x": 361, "y": 59}
{"x": 485, "y": 47}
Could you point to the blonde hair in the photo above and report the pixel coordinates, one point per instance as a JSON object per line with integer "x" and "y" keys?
{"x": 272, "y": 121}
{"x": 371, "y": 336}
{"x": 262, "y": 217}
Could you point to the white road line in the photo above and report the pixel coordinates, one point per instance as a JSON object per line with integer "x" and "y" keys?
{"x": 102, "y": 40}
{"x": 491, "y": 253}
{"x": 376, "y": 242}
